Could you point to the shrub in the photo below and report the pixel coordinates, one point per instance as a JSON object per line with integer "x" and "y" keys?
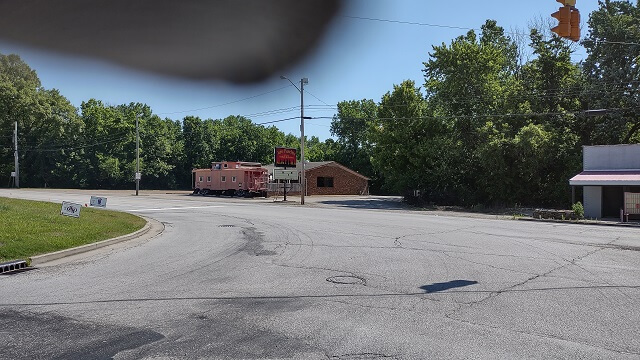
{"x": 578, "y": 209}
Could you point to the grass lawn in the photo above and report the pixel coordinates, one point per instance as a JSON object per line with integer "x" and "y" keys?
{"x": 29, "y": 228}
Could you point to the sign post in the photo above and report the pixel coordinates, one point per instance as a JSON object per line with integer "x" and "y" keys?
{"x": 284, "y": 157}
{"x": 286, "y": 175}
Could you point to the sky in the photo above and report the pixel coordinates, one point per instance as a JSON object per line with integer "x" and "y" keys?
{"x": 356, "y": 59}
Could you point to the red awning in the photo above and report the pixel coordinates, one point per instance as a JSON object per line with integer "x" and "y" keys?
{"x": 606, "y": 177}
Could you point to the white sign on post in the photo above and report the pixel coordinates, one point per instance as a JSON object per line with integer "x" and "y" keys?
{"x": 281, "y": 174}
{"x": 138, "y": 176}
{"x": 98, "y": 201}
{"x": 70, "y": 209}
{"x": 13, "y": 174}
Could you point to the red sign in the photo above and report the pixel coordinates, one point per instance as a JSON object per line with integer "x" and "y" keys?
{"x": 285, "y": 157}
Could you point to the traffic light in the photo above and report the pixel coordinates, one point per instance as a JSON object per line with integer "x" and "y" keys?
{"x": 568, "y": 20}
{"x": 563, "y": 15}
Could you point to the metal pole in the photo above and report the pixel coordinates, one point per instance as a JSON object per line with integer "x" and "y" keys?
{"x": 17, "y": 165}
{"x": 137, "y": 157}
{"x": 303, "y": 187}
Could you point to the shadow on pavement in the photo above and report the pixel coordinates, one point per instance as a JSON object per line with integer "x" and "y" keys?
{"x": 436, "y": 287}
{"x": 386, "y": 204}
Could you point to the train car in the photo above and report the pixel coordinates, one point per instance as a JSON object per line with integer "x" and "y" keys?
{"x": 231, "y": 178}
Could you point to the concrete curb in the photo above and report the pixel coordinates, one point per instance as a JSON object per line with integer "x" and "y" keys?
{"x": 44, "y": 258}
{"x": 582, "y": 222}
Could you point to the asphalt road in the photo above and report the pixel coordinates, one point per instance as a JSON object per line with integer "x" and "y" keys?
{"x": 352, "y": 279}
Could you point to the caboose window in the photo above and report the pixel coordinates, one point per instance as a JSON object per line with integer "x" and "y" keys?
{"x": 208, "y": 178}
{"x": 200, "y": 178}
{"x": 233, "y": 179}
{"x": 223, "y": 178}
{"x": 225, "y": 165}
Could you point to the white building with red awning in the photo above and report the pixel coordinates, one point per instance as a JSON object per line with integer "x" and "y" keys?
{"x": 611, "y": 174}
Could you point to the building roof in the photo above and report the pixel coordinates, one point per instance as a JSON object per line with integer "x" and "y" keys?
{"x": 606, "y": 177}
{"x": 325, "y": 163}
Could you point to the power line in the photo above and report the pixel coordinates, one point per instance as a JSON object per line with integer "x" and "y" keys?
{"x": 443, "y": 117}
{"x": 55, "y": 147}
{"x": 224, "y": 104}
{"x": 307, "y": 91}
{"x": 76, "y": 147}
{"x": 409, "y": 23}
{"x": 277, "y": 121}
{"x": 475, "y": 29}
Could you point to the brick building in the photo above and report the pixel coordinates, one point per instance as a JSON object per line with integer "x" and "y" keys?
{"x": 331, "y": 178}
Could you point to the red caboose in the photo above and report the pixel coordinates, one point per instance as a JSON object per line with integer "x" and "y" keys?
{"x": 232, "y": 178}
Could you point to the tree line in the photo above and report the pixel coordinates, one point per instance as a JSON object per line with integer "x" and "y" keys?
{"x": 500, "y": 121}
{"x": 497, "y": 121}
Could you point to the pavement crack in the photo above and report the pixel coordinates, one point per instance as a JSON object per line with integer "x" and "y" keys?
{"x": 363, "y": 356}
{"x": 496, "y": 293}
{"x": 539, "y": 335}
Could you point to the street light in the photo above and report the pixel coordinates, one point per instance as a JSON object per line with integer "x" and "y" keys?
{"x": 303, "y": 81}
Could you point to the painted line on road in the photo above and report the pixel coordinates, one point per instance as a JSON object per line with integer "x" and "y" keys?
{"x": 179, "y": 208}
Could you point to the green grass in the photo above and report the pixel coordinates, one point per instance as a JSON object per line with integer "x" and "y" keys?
{"x": 29, "y": 228}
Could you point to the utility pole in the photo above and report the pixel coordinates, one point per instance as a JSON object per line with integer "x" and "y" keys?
{"x": 303, "y": 81}
{"x": 303, "y": 187}
{"x": 137, "y": 156}
{"x": 17, "y": 165}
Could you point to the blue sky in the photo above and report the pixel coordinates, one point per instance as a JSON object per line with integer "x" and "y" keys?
{"x": 357, "y": 59}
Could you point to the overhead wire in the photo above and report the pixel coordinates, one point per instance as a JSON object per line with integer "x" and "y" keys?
{"x": 468, "y": 28}
{"x": 73, "y": 147}
{"x": 227, "y": 103}
{"x": 441, "y": 117}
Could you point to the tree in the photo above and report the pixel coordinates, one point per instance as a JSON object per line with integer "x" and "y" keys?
{"x": 612, "y": 71}
{"x": 406, "y": 141}
{"x": 110, "y": 143}
{"x": 468, "y": 83}
{"x": 48, "y": 127}
{"x": 352, "y": 125}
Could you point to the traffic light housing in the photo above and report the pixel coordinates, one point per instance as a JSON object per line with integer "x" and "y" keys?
{"x": 575, "y": 25}
{"x": 568, "y": 21}
{"x": 563, "y": 15}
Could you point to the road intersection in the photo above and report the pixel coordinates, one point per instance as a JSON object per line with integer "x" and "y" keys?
{"x": 250, "y": 278}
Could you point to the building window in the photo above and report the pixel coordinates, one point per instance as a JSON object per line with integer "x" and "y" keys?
{"x": 233, "y": 179}
{"x": 200, "y": 178}
{"x": 223, "y": 178}
{"x": 325, "y": 182}
{"x": 208, "y": 178}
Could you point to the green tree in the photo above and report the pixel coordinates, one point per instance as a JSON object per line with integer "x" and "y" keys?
{"x": 110, "y": 143}
{"x": 48, "y": 127}
{"x": 612, "y": 71}
{"x": 467, "y": 83}
{"x": 407, "y": 142}
{"x": 352, "y": 125}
